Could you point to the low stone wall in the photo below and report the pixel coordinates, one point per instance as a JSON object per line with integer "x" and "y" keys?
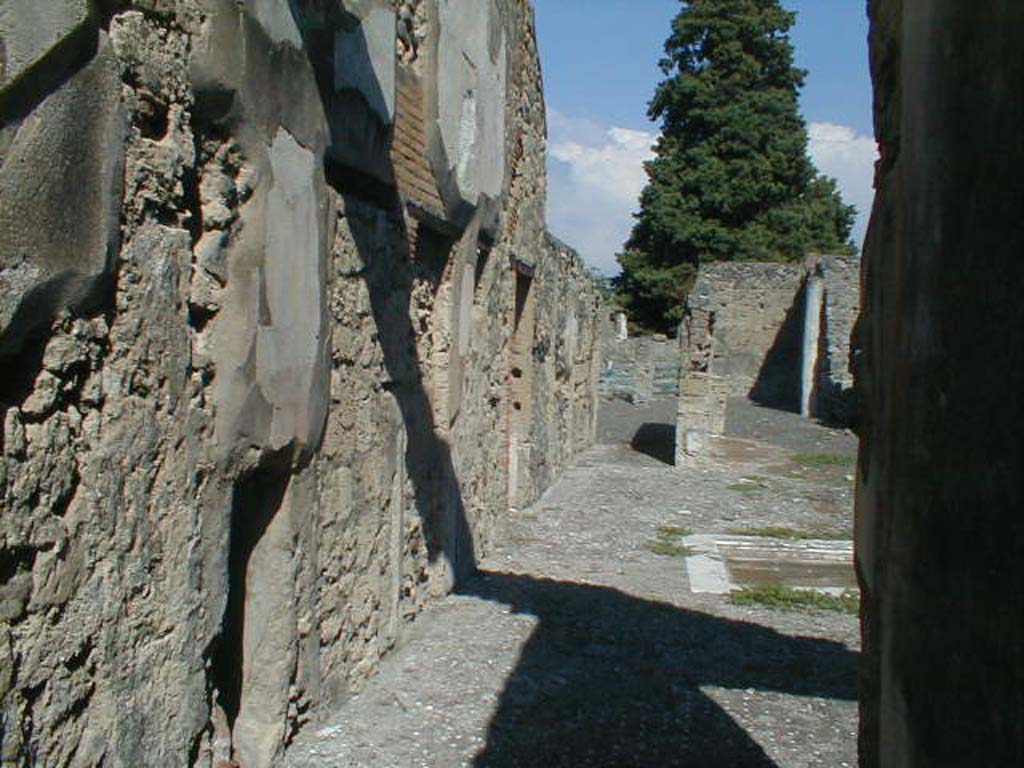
{"x": 283, "y": 339}
{"x": 638, "y": 368}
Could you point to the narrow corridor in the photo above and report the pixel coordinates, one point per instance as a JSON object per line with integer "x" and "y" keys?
{"x": 579, "y": 643}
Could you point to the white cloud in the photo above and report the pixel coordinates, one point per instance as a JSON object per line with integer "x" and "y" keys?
{"x": 595, "y": 175}
{"x": 839, "y": 151}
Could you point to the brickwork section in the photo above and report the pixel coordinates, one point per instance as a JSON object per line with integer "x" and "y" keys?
{"x": 413, "y": 174}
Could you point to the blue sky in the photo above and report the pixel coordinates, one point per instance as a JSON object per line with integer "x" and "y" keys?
{"x": 599, "y": 59}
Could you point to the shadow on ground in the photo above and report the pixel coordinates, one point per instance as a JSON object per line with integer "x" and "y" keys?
{"x": 611, "y": 680}
{"x": 656, "y": 440}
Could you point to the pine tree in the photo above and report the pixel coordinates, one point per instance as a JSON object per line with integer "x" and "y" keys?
{"x": 730, "y": 178}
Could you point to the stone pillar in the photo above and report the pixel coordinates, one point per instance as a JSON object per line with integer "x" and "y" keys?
{"x": 622, "y": 330}
{"x": 813, "y": 296}
{"x": 702, "y": 401}
{"x": 702, "y": 394}
{"x": 694, "y": 421}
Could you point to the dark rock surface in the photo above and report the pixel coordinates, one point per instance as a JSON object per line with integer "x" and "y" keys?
{"x": 939, "y": 500}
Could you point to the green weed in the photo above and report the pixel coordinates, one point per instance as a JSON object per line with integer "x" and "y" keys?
{"x": 821, "y": 459}
{"x": 668, "y": 543}
{"x": 791, "y": 534}
{"x": 745, "y": 487}
{"x": 668, "y": 548}
{"x": 782, "y": 598}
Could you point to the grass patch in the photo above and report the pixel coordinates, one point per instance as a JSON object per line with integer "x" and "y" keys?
{"x": 821, "y": 459}
{"x": 668, "y": 548}
{"x": 782, "y": 598}
{"x": 790, "y": 534}
{"x": 667, "y": 544}
{"x": 745, "y": 487}
{"x": 749, "y": 484}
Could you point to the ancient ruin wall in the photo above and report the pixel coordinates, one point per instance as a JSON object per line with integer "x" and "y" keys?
{"x": 637, "y": 368}
{"x": 752, "y": 307}
{"x": 259, "y": 268}
{"x": 779, "y": 334}
{"x": 756, "y": 312}
{"x": 939, "y": 529}
{"x": 565, "y": 370}
{"x": 834, "y": 395}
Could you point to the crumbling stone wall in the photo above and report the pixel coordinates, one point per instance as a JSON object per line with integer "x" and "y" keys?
{"x": 757, "y": 310}
{"x": 637, "y": 368}
{"x": 834, "y": 395}
{"x": 777, "y": 333}
{"x": 258, "y": 266}
{"x": 566, "y": 366}
{"x": 939, "y": 530}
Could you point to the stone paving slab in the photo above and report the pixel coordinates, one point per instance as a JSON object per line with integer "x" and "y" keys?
{"x": 708, "y": 567}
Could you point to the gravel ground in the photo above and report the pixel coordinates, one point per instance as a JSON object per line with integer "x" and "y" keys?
{"x": 577, "y": 646}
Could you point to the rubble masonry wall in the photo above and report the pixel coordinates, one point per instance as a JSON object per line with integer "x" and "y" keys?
{"x": 258, "y": 272}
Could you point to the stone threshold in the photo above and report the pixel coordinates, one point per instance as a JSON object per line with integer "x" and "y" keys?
{"x": 720, "y": 563}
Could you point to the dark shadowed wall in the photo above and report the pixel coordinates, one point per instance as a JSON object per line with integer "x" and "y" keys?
{"x": 940, "y": 508}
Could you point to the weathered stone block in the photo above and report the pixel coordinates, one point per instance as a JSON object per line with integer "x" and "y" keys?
{"x": 59, "y": 220}
{"x": 277, "y": 20}
{"x": 272, "y": 346}
{"x": 472, "y": 79}
{"x": 31, "y": 29}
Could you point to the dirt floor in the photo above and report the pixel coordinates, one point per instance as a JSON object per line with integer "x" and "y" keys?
{"x": 578, "y": 644}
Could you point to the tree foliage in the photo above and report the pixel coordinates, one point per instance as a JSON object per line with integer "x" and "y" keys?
{"x": 730, "y": 178}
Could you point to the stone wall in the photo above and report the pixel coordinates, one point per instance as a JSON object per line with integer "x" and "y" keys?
{"x": 283, "y": 338}
{"x": 565, "y": 366}
{"x": 834, "y": 394}
{"x": 939, "y": 529}
{"x": 758, "y": 310}
{"x": 755, "y": 311}
{"x": 637, "y": 368}
{"x": 776, "y": 333}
